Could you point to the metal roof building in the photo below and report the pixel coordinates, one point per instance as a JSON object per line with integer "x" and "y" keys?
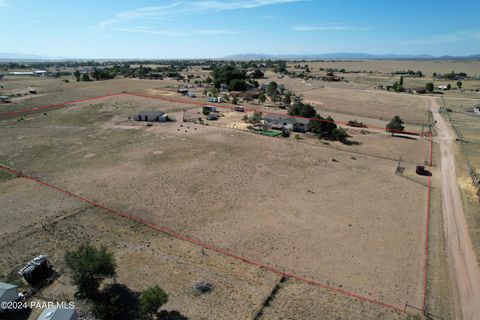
{"x": 8, "y": 293}
{"x": 292, "y": 123}
{"x": 58, "y": 314}
{"x": 151, "y": 116}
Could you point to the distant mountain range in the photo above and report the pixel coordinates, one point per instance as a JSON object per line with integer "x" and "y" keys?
{"x": 13, "y": 57}
{"x": 21, "y": 57}
{"x": 347, "y": 56}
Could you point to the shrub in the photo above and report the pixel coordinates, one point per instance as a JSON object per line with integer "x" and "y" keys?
{"x": 151, "y": 300}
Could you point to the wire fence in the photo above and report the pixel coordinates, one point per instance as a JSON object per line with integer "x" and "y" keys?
{"x": 298, "y": 139}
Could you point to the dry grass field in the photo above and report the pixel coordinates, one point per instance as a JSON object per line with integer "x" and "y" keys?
{"x": 145, "y": 256}
{"x": 282, "y": 203}
{"x": 427, "y": 67}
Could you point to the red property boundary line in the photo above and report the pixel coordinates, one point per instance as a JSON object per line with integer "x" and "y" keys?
{"x": 200, "y": 243}
{"x": 427, "y": 225}
{"x": 197, "y": 103}
{"x": 174, "y": 234}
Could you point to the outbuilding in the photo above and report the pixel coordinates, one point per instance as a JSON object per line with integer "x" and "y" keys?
{"x": 151, "y": 116}
{"x": 8, "y": 293}
{"x": 58, "y": 313}
{"x": 4, "y": 99}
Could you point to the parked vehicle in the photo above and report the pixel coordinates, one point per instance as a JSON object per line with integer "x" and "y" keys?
{"x": 239, "y": 109}
{"x": 420, "y": 170}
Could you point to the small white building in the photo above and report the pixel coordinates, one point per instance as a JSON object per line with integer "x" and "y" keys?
{"x": 8, "y": 293}
{"x": 58, "y": 314}
{"x": 476, "y": 109}
{"x": 442, "y": 87}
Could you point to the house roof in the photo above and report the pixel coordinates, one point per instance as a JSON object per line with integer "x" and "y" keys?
{"x": 151, "y": 113}
{"x": 4, "y": 287}
{"x": 277, "y": 119}
{"x": 57, "y": 314}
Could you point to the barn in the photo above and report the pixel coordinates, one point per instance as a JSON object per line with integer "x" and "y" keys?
{"x": 151, "y": 116}
{"x": 8, "y": 293}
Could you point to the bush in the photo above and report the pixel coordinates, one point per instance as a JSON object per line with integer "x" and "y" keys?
{"x": 340, "y": 134}
{"x": 395, "y": 125}
{"x": 151, "y": 300}
{"x": 429, "y": 87}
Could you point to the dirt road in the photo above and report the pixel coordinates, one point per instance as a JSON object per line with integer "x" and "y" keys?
{"x": 463, "y": 264}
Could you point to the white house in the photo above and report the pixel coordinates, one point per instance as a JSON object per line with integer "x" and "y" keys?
{"x": 8, "y": 293}
{"x": 442, "y": 87}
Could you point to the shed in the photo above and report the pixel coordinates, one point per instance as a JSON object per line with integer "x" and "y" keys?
{"x": 419, "y": 90}
{"x": 4, "y": 99}
{"x": 151, "y": 116}
{"x": 8, "y": 293}
{"x": 183, "y": 91}
{"x": 58, "y": 314}
{"x": 280, "y": 122}
{"x": 476, "y": 109}
{"x": 209, "y": 108}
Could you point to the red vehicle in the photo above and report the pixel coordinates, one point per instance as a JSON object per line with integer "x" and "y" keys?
{"x": 239, "y": 109}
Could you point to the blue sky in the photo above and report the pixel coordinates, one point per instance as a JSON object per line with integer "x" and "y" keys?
{"x": 215, "y": 28}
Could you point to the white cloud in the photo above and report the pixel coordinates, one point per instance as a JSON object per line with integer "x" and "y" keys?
{"x": 328, "y": 27}
{"x": 218, "y": 31}
{"x": 188, "y": 7}
{"x": 169, "y": 33}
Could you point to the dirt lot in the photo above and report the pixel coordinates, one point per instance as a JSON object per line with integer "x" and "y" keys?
{"x": 171, "y": 263}
{"x": 201, "y": 181}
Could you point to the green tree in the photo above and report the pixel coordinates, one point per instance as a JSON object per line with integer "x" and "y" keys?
{"x": 340, "y": 134}
{"x": 288, "y": 99}
{"x": 76, "y": 74}
{"x": 459, "y": 84}
{"x": 429, "y": 87}
{"x": 237, "y": 85}
{"x": 272, "y": 88}
{"x": 449, "y": 86}
{"x": 328, "y": 126}
{"x": 315, "y": 124}
{"x": 401, "y": 81}
{"x": 395, "y": 125}
{"x": 262, "y": 97}
{"x": 151, "y": 300}
{"x": 303, "y": 110}
{"x": 89, "y": 266}
{"x": 86, "y": 77}
{"x": 258, "y": 74}
{"x": 234, "y": 100}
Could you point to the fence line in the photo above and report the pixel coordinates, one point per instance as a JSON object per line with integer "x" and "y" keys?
{"x": 225, "y": 126}
{"x": 331, "y": 287}
{"x": 475, "y": 178}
